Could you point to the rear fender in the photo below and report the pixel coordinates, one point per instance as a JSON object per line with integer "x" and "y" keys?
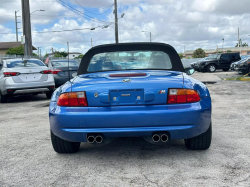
{"x": 67, "y": 87}
{"x": 191, "y": 83}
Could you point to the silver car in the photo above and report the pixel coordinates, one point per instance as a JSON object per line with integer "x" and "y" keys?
{"x": 24, "y": 76}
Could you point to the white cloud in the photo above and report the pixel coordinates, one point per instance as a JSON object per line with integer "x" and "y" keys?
{"x": 193, "y": 23}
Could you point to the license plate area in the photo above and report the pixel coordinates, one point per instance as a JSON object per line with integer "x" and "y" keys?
{"x": 29, "y": 77}
{"x": 126, "y": 97}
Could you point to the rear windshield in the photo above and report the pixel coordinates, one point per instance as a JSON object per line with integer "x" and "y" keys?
{"x": 24, "y": 63}
{"x": 124, "y": 60}
{"x": 64, "y": 63}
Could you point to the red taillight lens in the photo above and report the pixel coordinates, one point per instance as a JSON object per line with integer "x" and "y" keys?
{"x": 46, "y": 72}
{"x": 182, "y": 96}
{"x": 55, "y": 71}
{"x": 73, "y": 99}
{"x": 10, "y": 74}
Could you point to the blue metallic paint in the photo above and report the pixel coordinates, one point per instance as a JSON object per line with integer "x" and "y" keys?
{"x": 152, "y": 115}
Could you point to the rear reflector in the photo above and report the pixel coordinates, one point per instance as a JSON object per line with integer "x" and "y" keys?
{"x": 73, "y": 99}
{"x": 10, "y": 74}
{"x": 128, "y": 75}
{"x": 182, "y": 96}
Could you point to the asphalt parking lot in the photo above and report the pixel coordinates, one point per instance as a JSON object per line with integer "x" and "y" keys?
{"x": 27, "y": 157}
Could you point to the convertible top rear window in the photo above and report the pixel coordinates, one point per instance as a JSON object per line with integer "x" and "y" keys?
{"x": 124, "y": 60}
{"x": 134, "y": 56}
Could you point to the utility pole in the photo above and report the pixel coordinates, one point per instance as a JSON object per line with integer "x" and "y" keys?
{"x": 38, "y": 51}
{"x": 184, "y": 49}
{"x": 238, "y": 37}
{"x": 27, "y": 27}
{"x": 222, "y": 44}
{"x": 16, "y": 25}
{"x": 116, "y": 23}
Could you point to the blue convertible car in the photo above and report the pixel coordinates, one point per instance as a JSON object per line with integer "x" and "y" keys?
{"x": 131, "y": 90}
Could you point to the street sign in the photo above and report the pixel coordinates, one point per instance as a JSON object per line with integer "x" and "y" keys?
{"x": 23, "y": 39}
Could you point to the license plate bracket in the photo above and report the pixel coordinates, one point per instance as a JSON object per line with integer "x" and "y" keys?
{"x": 126, "y": 97}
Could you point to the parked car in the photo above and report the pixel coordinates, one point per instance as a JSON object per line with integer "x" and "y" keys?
{"x": 244, "y": 66}
{"x": 62, "y": 70}
{"x": 195, "y": 65}
{"x": 235, "y": 65}
{"x": 24, "y": 76}
{"x": 218, "y": 61}
{"x": 159, "y": 102}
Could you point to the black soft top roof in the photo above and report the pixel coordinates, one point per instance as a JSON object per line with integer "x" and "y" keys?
{"x": 152, "y": 46}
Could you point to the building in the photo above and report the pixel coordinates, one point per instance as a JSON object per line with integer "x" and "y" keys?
{"x": 72, "y": 55}
{"x": 4, "y": 46}
{"x": 241, "y": 50}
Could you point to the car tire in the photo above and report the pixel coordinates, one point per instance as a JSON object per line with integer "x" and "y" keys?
{"x": 3, "y": 98}
{"x": 211, "y": 68}
{"x": 49, "y": 94}
{"x": 225, "y": 69}
{"x": 63, "y": 146}
{"x": 201, "y": 142}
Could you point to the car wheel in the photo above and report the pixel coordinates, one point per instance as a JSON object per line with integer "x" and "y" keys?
{"x": 211, "y": 68}
{"x": 3, "y": 98}
{"x": 49, "y": 94}
{"x": 225, "y": 69}
{"x": 63, "y": 146}
{"x": 201, "y": 142}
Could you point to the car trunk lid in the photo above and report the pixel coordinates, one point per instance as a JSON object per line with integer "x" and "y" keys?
{"x": 66, "y": 71}
{"x": 127, "y": 88}
{"x": 29, "y": 74}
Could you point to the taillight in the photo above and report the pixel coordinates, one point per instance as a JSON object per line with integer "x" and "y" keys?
{"x": 10, "y": 74}
{"x": 55, "y": 71}
{"x": 182, "y": 96}
{"x": 51, "y": 71}
{"x": 46, "y": 72}
{"x": 72, "y": 99}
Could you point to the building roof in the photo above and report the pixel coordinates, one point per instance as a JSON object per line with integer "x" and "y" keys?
{"x": 7, "y": 45}
{"x": 66, "y": 52}
{"x": 233, "y": 49}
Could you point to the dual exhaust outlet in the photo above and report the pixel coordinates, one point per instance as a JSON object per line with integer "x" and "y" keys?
{"x": 163, "y": 138}
{"x": 93, "y": 139}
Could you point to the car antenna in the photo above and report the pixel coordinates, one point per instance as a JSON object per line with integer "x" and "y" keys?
{"x": 68, "y": 61}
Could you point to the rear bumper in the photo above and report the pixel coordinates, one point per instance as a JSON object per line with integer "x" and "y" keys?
{"x": 181, "y": 121}
{"x": 26, "y": 88}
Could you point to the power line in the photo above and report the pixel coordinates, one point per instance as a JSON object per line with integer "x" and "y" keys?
{"x": 132, "y": 27}
{"x": 91, "y": 12}
{"x": 79, "y": 12}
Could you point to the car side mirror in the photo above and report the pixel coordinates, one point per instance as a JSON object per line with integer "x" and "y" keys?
{"x": 189, "y": 71}
{"x": 74, "y": 74}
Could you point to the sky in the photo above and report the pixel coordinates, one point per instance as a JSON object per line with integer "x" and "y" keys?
{"x": 190, "y": 23}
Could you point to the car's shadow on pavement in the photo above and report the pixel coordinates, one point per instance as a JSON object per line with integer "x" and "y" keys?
{"x": 126, "y": 148}
{"x": 27, "y": 98}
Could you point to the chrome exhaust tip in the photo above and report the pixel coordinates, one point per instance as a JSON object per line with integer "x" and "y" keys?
{"x": 99, "y": 139}
{"x": 164, "y": 138}
{"x": 91, "y": 139}
{"x": 156, "y": 138}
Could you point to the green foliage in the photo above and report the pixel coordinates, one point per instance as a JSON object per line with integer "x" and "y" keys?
{"x": 181, "y": 55}
{"x": 46, "y": 55}
{"x": 34, "y": 54}
{"x": 60, "y": 54}
{"x": 229, "y": 51}
{"x": 80, "y": 56}
{"x": 188, "y": 57}
{"x": 15, "y": 51}
{"x": 199, "y": 53}
{"x": 241, "y": 45}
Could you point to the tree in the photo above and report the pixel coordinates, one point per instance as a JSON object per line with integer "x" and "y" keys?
{"x": 34, "y": 54}
{"x": 80, "y": 56}
{"x": 229, "y": 51}
{"x": 181, "y": 55}
{"x": 242, "y": 45}
{"x": 60, "y": 54}
{"x": 15, "y": 51}
{"x": 199, "y": 53}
